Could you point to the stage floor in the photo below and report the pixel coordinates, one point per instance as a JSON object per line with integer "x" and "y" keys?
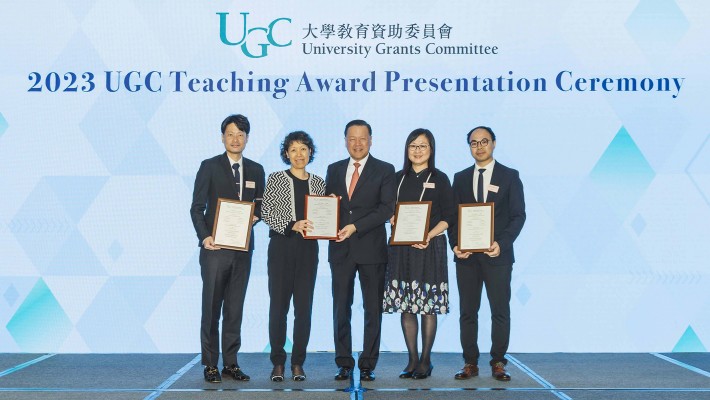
{"x": 535, "y": 376}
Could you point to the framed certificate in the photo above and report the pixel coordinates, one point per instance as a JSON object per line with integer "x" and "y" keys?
{"x": 232, "y": 224}
{"x": 324, "y": 212}
{"x": 475, "y": 227}
{"x": 411, "y": 223}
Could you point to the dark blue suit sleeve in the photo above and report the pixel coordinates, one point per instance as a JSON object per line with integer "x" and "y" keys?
{"x": 516, "y": 200}
{"x": 453, "y": 231}
{"x": 329, "y": 189}
{"x": 200, "y": 198}
{"x": 449, "y": 211}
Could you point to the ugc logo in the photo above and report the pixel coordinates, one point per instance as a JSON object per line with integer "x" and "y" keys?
{"x": 247, "y": 34}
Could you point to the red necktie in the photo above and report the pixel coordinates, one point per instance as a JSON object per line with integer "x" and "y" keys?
{"x": 353, "y": 180}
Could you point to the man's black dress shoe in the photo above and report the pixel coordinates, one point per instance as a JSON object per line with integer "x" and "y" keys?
{"x": 423, "y": 375}
{"x": 343, "y": 374}
{"x": 299, "y": 375}
{"x": 277, "y": 374}
{"x": 236, "y": 373}
{"x": 212, "y": 375}
{"x": 366, "y": 374}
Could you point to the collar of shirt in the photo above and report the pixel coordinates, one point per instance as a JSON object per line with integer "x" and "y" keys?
{"x": 362, "y": 162}
{"x": 233, "y": 161}
{"x": 488, "y": 167}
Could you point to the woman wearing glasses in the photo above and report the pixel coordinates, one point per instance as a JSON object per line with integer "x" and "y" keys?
{"x": 292, "y": 260}
{"x": 417, "y": 276}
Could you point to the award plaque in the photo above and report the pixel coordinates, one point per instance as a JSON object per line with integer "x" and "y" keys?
{"x": 232, "y": 224}
{"x": 324, "y": 213}
{"x": 411, "y": 223}
{"x": 475, "y": 227}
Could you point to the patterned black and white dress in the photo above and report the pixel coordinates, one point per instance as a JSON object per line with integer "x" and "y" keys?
{"x": 417, "y": 281}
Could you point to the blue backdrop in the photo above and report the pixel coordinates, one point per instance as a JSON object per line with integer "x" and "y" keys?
{"x": 97, "y": 251}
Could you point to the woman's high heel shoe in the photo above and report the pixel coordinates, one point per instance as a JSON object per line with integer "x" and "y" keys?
{"x": 405, "y": 374}
{"x": 423, "y": 375}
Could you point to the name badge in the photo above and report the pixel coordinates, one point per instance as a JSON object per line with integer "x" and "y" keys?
{"x": 429, "y": 185}
{"x": 250, "y": 184}
{"x": 493, "y": 188}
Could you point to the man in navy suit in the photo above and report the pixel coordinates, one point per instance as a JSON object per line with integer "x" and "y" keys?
{"x": 225, "y": 272}
{"x": 366, "y": 189}
{"x": 492, "y": 182}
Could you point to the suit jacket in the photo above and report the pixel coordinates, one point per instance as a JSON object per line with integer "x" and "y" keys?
{"x": 371, "y": 206}
{"x": 509, "y": 214}
{"x": 215, "y": 179}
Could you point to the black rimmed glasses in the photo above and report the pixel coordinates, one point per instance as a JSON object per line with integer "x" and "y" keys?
{"x": 418, "y": 147}
{"x": 481, "y": 143}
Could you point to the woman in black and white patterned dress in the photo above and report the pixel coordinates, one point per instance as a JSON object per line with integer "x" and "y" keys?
{"x": 292, "y": 260}
{"x": 417, "y": 280}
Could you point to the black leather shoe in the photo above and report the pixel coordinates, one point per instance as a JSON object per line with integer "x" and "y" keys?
{"x": 277, "y": 374}
{"x": 235, "y": 372}
{"x": 423, "y": 375}
{"x": 405, "y": 374}
{"x": 343, "y": 374}
{"x": 299, "y": 375}
{"x": 366, "y": 374}
{"x": 499, "y": 372}
{"x": 212, "y": 375}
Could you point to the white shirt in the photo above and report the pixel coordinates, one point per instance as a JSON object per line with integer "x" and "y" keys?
{"x": 351, "y": 170}
{"x": 241, "y": 172}
{"x": 487, "y": 174}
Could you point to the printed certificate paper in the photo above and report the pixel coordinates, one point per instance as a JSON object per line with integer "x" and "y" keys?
{"x": 232, "y": 224}
{"x": 411, "y": 224}
{"x": 324, "y": 212}
{"x": 475, "y": 227}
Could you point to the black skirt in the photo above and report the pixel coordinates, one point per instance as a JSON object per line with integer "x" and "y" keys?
{"x": 417, "y": 281}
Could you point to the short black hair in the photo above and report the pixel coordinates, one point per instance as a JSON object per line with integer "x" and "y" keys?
{"x": 489, "y": 130}
{"x": 413, "y": 136}
{"x": 239, "y": 120}
{"x": 358, "y": 122}
{"x": 297, "y": 136}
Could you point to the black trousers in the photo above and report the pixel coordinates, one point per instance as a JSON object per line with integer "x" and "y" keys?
{"x": 225, "y": 275}
{"x": 292, "y": 268}
{"x": 471, "y": 279}
{"x": 372, "y": 284}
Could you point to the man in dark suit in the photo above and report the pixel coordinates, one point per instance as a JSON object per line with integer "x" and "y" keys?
{"x": 366, "y": 189}
{"x": 225, "y": 273}
{"x": 491, "y": 182}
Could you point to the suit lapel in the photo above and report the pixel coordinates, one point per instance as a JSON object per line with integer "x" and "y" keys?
{"x": 342, "y": 187}
{"x": 468, "y": 196}
{"x": 363, "y": 177}
{"x": 245, "y": 178}
{"x": 367, "y": 170}
{"x": 496, "y": 178}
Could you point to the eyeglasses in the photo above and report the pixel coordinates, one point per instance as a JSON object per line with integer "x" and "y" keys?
{"x": 481, "y": 143}
{"x": 418, "y": 147}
